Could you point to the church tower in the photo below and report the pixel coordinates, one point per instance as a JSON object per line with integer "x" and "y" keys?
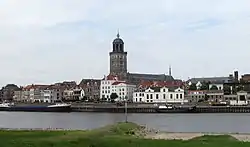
{"x": 118, "y": 59}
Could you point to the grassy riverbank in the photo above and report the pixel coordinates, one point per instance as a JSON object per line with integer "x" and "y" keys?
{"x": 118, "y": 135}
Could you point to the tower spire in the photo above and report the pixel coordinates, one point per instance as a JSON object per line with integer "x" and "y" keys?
{"x": 170, "y": 71}
{"x": 118, "y": 34}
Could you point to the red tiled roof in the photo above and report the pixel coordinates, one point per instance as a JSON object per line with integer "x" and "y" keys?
{"x": 112, "y": 77}
{"x": 145, "y": 84}
{"x": 34, "y": 86}
{"x": 119, "y": 82}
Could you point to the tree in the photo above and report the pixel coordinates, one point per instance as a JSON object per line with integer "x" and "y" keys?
{"x": 193, "y": 87}
{"x": 227, "y": 89}
{"x": 214, "y": 87}
{"x": 204, "y": 86}
{"x": 239, "y": 88}
{"x": 84, "y": 98}
{"x": 113, "y": 96}
{"x": 206, "y": 97}
{"x": 242, "y": 81}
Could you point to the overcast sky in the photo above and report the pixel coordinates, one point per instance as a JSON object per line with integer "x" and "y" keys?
{"x": 45, "y": 41}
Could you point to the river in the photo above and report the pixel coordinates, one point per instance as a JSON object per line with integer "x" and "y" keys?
{"x": 216, "y": 122}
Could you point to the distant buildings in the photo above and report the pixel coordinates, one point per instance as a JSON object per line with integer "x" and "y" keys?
{"x": 139, "y": 87}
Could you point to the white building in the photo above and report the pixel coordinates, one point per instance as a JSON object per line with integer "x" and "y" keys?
{"x": 218, "y": 85}
{"x": 111, "y": 85}
{"x": 159, "y": 95}
{"x": 47, "y": 96}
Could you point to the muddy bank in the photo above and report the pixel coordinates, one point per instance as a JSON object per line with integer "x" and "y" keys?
{"x": 150, "y": 133}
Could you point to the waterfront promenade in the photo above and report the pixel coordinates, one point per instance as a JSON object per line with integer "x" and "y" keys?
{"x": 151, "y": 108}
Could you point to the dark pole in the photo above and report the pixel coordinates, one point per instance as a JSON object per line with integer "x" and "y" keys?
{"x": 126, "y": 111}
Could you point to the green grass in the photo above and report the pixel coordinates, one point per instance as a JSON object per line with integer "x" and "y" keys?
{"x": 118, "y": 135}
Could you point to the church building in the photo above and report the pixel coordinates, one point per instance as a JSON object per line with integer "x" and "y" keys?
{"x": 118, "y": 66}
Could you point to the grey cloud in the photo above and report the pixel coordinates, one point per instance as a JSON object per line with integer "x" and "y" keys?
{"x": 53, "y": 40}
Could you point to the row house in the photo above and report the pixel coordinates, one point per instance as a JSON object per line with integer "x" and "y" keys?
{"x": 30, "y": 93}
{"x": 74, "y": 94}
{"x": 91, "y": 88}
{"x": 111, "y": 84}
{"x": 52, "y": 93}
{"x": 215, "y": 95}
{"x": 194, "y": 96}
{"x": 159, "y": 95}
{"x": 205, "y": 95}
{"x": 48, "y": 93}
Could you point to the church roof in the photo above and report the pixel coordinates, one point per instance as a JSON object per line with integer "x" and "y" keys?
{"x": 118, "y": 41}
{"x": 157, "y": 77}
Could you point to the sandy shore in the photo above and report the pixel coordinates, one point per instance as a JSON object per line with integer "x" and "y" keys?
{"x": 187, "y": 136}
{"x": 153, "y": 134}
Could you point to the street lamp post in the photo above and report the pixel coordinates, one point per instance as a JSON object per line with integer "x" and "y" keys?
{"x": 126, "y": 109}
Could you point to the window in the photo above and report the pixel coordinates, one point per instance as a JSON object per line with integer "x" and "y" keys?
{"x": 135, "y": 94}
{"x": 147, "y": 96}
{"x": 157, "y": 96}
{"x": 151, "y": 96}
{"x": 180, "y": 96}
{"x": 164, "y": 96}
{"x": 140, "y": 99}
{"x": 164, "y": 90}
{"x": 171, "y": 96}
{"x": 177, "y": 96}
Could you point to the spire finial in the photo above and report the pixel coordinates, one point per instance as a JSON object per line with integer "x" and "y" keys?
{"x": 170, "y": 71}
{"x": 118, "y": 34}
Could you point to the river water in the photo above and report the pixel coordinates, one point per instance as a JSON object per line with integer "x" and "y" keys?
{"x": 216, "y": 122}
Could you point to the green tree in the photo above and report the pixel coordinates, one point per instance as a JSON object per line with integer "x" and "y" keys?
{"x": 227, "y": 89}
{"x": 242, "y": 81}
{"x": 204, "y": 86}
{"x": 113, "y": 96}
{"x": 214, "y": 87}
{"x": 206, "y": 97}
{"x": 239, "y": 88}
{"x": 84, "y": 98}
{"x": 193, "y": 87}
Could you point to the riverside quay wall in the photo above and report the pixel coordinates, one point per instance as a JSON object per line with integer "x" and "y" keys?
{"x": 145, "y": 108}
